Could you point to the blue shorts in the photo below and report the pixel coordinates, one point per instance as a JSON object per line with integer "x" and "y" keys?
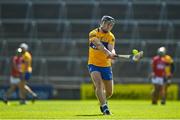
{"x": 106, "y": 72}
{"x": 26, "y": 76}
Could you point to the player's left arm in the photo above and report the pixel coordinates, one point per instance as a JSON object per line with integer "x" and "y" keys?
{"x": 111, "y": 45}
{"x": 111, "y": 48}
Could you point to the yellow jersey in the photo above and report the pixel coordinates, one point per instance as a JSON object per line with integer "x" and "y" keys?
{"x": 169, "y": 61}
{"x": 97, "y": 57}
{"x": 27, "y": 58}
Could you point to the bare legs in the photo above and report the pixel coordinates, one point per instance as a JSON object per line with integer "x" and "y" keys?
{"x": 157, "y": 92}
{"x": 103, "y": 90}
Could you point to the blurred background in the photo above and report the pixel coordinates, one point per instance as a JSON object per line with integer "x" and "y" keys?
{"x": 57, "y": 34}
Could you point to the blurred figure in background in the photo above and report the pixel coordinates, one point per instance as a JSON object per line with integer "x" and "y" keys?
{"x": 158, "y": 74}
{"x": 15, "y": 74}
{"x": 162, "y": 70}
{"x": 15, "y": 78}
{"x": 26, "y": 70}
{"x": 169, "y": 71}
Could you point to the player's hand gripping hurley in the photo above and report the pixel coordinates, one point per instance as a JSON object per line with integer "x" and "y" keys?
{"x": 136, "y": 56}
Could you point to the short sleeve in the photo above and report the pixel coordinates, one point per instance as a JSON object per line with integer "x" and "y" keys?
{"x": 92, "y": 35}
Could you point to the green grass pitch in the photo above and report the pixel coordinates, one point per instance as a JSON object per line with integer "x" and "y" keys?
{"x": 89, "y": 110}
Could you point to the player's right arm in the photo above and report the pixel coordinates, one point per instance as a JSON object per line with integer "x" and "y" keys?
{"x": 100, "y": 46}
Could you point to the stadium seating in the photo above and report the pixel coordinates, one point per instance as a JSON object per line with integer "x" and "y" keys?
{"x": 143, "y": 10}
{"x": 171, "y": 11}
{"x": 10, "y": 10}
{"x": 152, "y": 31}
{"x": 79, "y": 29}
{"x": 57, "y": 34}
{"x": 124, "y": 30}
{"x": 176, "y": 29}
{"x": 57, "y": 49}
{"x": 64, "y": 67}
{"x": 16, "y": 29}
{"x": 49, "y": 30}
{"x": 85, "y": 9}
{"x": 135, "y": 70}
{"x": 46, "y": 10}
{"x": 120, "y": 10}
{"x": 4, "y": 63}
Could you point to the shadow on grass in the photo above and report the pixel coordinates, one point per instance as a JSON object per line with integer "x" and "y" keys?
{"x": 91, "y": 115}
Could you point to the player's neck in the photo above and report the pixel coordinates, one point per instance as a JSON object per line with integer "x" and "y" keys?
{"x": 101, "y": 30}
